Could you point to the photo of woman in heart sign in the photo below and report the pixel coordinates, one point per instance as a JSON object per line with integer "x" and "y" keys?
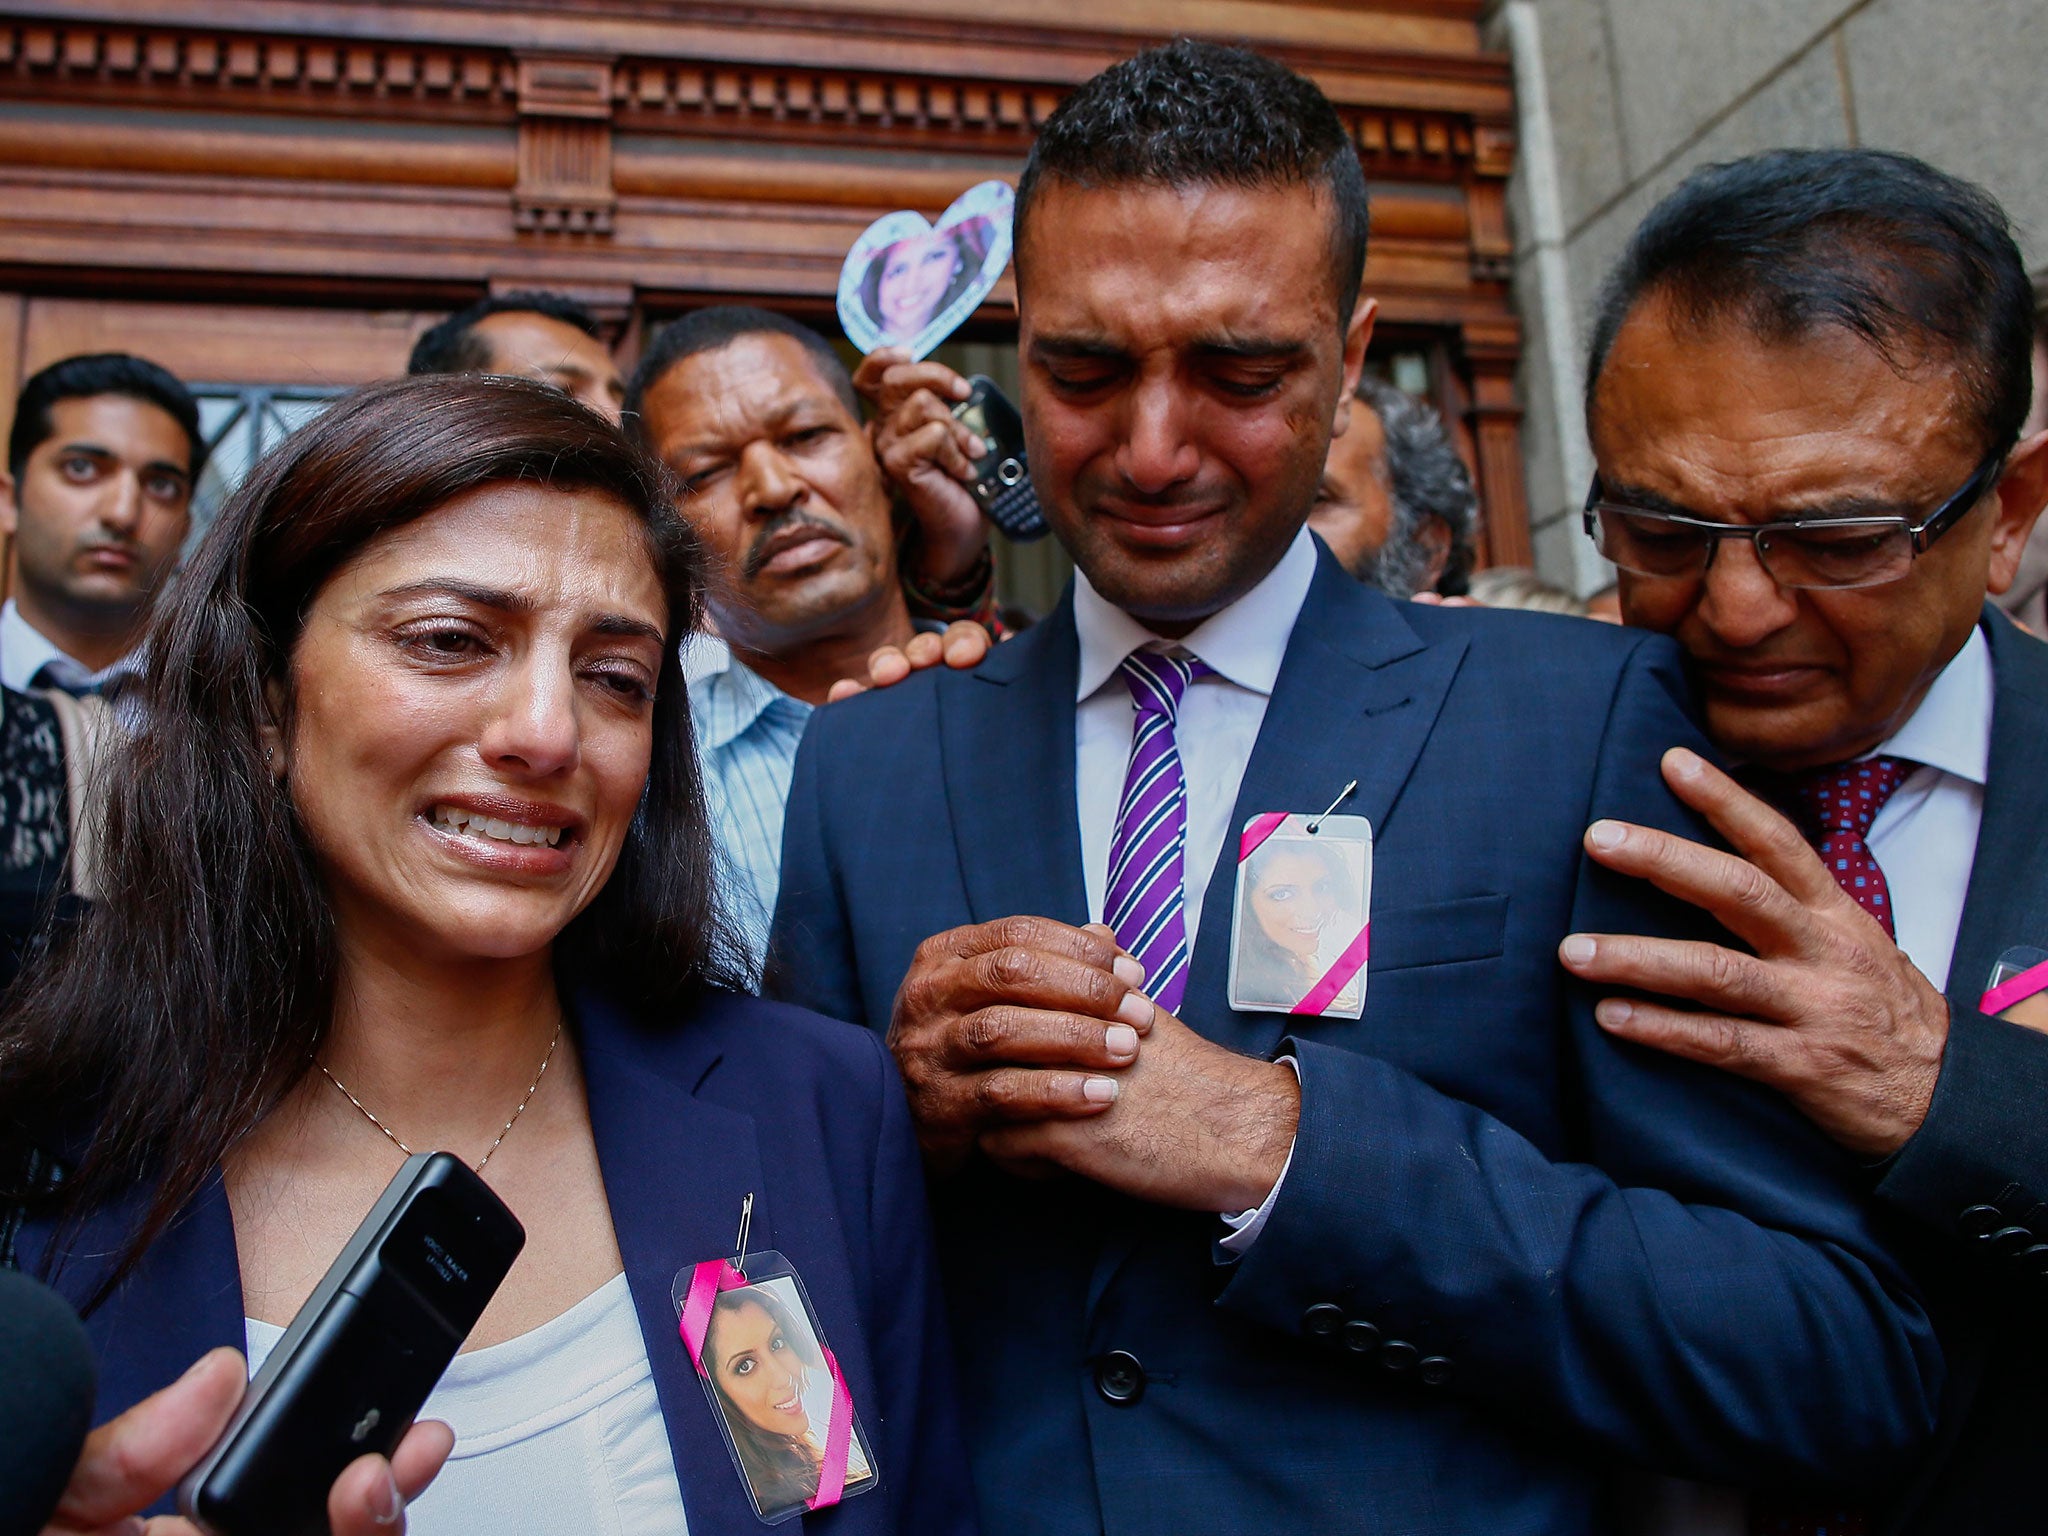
{"x": 911, "y": 281}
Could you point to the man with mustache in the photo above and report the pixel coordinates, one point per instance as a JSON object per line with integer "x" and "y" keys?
{"x": 101, "y": 462}
{"x": 759, "y": 420}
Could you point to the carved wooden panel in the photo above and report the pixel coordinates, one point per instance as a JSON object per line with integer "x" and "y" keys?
{"x": 664, "y": 152}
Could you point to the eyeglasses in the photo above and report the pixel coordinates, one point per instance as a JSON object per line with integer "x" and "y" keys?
{"x": 1810, "y": 552}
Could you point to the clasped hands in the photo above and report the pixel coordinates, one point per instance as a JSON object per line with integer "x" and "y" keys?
{"x": 1033, "y": 1041}
{"x": 1825, "y": 1007}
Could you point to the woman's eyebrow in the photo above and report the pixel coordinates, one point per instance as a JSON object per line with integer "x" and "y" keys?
{"x": 621, "y": 624}
{"x": 470, "y": 592}
{"x": 505, "y": 601}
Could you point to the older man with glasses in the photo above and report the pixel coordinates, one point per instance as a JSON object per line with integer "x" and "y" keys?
{"x": 1809, "y": 376}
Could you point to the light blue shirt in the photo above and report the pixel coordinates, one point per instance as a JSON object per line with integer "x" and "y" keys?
{"x": 747, "y": 731}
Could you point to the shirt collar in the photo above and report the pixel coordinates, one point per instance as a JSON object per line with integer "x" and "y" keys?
{"x": 728, "y": 696}
{"x": 26, "y": 650}
{"x": 1243, "y": 643}
{"x": 1951, "y": 730}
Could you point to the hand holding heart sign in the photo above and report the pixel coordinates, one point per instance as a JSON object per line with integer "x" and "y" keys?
{"x": 908, "y": 284}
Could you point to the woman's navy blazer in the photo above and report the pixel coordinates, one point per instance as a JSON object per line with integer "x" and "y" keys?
{"x": 744, "y": 1096}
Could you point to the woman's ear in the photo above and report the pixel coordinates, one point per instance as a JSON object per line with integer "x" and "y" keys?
{"x": 271, "y": 733}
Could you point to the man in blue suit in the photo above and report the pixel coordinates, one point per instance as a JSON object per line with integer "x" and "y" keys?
{"x": 1746, "y": 395}
{"x": 1438, "y": 1269}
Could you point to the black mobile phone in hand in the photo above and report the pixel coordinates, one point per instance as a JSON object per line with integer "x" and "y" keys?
{"x": 359, "y": 1359}
{"x": 1002, "y": 482}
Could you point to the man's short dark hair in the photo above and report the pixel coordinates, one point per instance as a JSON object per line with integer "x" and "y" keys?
{"x": 1918, "y": 263}
{"x": 1428, "y": 480}
{"x": 99, "y": 373}
{"x": 706, "y": 330}
{"x": 1190, "y": 114}
{"x": 454, "y": 347}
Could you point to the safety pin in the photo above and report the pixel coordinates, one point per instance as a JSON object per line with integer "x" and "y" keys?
{"x": 746, "y": 1226}
{"x": 1342, "y": 795}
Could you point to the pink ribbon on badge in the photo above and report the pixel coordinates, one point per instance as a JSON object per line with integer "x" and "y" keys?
{"x": 1336, "y": 978}
{"x": 2015, "y": 989}
{"x": 1339, "y": 975}
{"x": 1256, "y": 831}
{"x": 716, "y": 1275}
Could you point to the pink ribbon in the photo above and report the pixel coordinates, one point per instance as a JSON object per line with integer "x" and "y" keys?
{"x": 1336, "y": 978}
{"x": 716, "y": 1275}
{"x": 2015, "y": 989}
{"x": 1256, "y": 831}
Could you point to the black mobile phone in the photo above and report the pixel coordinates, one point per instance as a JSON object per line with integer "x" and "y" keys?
{"x": 351, "y": 1372}
{"x": 1002, "y": 482}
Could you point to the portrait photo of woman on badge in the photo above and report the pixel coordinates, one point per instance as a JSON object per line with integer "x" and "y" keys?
{"x": 1298, "y": 911}
{"x": 773, "y": 1387}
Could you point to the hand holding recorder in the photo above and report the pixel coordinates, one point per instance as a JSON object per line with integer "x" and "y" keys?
{"x": 132, "y": 1461}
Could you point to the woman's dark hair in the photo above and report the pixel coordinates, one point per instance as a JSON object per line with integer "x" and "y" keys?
{"x": 783, "y": 1469}
{"x": 1918, "y": 263}
{"x": 970, "y": 239}
{"x": 192, "y": 995}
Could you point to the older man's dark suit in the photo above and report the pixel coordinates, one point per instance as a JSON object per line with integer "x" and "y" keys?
{"x": 1507, "y": 1253}
{"x": 1977, "y": 1171}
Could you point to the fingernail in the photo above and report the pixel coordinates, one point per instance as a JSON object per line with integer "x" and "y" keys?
{"x": 1684, "y": 763}
{"x": 1612, "y": 1012}
{"x": 1099, "y": 1090}
{"x": 1127, "y": 971}
{"x": 1579, "y": 950}
{"x": 1120, "y": 1040}
{"x": 976, "y": 446}
{"x": 1607, "y": 835}
{"x": 390, "y": 1508}
{"x": 1136, "y": 1009}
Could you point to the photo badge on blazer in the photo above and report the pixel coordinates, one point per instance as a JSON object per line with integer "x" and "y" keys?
{"x": 2018, "y": 991}
{"x": 1300, "y": 921}
{"x": 907, "y": 283}
{"x": 774, "y": 1384}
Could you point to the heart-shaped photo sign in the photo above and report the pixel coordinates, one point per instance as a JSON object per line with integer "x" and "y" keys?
{"x": 909, "y": 284}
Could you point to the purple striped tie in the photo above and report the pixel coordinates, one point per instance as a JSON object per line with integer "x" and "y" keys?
{"x": 1146, "y": 875}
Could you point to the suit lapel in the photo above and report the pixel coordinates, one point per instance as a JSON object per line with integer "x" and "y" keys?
{"x": 184, "y": 1299}
{"x": 2007, "y": 902}
{"x": 1006, "y": 741}
{"x": 1356, "y": 698}
{"x": 675, "y": 1171}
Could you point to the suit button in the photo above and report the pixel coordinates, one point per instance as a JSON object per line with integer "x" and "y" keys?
{"x": 1434, "y": 1370}
{"x": 1120, "y": 1378}
{"x": 1980, "y": 1220}
{"x": 1399, "y": 1355}
{"x": 2012, "y": 1239}
{"x": 1323, "y": 1319}
{"x": 2035, "y": 1258}
{"x": 1361, "y": 1338}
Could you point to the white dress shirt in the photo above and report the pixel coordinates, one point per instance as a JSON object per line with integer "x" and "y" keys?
{"x": 1925, "y": 837}
{"x": 556, "y": 1430}
{"x": 26, "y": 650}
{"x": 1215, "y": 730}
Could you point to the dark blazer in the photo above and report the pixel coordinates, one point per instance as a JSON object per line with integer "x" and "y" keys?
{"x": 1976, "y": 1173}
{"x": 1509, "y": 1250}
{"x": 689, "y": 1117}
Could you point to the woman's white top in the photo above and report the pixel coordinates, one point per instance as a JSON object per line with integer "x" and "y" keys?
{"x": 556, "y": 1430}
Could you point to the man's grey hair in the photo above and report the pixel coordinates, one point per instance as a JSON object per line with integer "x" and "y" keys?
{"x": 1428, "y": 480}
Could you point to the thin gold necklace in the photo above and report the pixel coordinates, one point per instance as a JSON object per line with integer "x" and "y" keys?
{"x": 534, "y": 1088}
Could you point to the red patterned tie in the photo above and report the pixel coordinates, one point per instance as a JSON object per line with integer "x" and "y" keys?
{"x": 1835, "y": 806}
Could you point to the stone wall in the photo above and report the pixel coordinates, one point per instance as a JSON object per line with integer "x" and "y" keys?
{"x": 1619, "y": 99}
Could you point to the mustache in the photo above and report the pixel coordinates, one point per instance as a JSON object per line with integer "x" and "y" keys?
{"x": 776, "y": 532}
